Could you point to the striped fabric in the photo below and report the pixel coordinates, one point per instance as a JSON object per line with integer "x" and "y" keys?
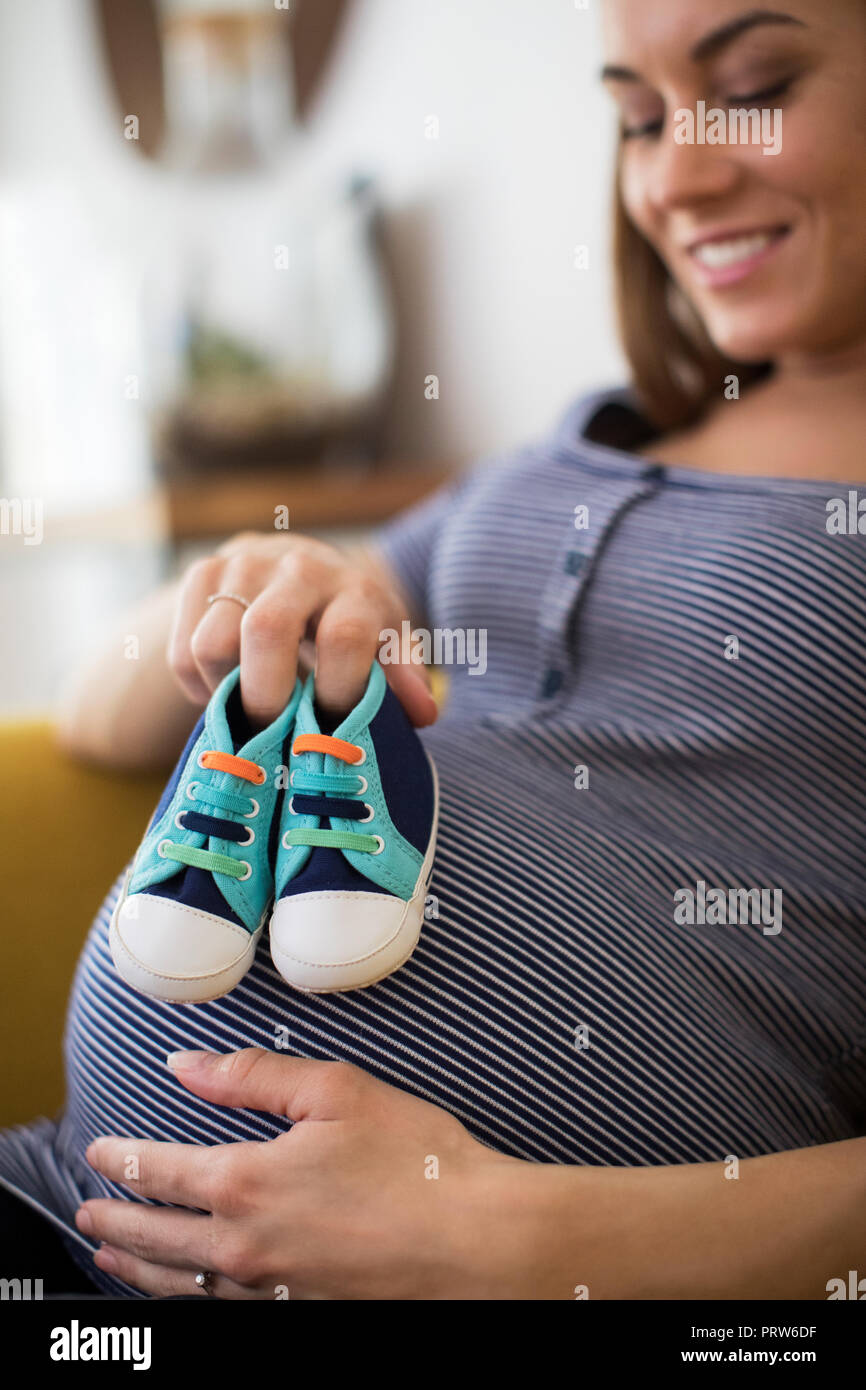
{"x": 614, "y": 752}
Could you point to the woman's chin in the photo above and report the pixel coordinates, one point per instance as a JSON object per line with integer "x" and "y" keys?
{"x": 759, "y": 337}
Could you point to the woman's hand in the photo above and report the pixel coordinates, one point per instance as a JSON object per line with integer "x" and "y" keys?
{"x": 298, "y": 589}
{"x": 309, "y": 604}
{"x": 373, "y": 1194}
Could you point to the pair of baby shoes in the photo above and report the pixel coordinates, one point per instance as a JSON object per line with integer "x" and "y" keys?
{"x": 330, "y": 836}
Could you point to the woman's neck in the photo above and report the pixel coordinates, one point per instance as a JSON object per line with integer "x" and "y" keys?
{"x": 806, "y": 419}
{"x": 840, "y": 373}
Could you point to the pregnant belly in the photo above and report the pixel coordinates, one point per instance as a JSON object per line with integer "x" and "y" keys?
{"x": 550, "y": 1005}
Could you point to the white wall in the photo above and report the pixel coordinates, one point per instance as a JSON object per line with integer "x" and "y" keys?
{"x": 71, "y": 203}
{"x": 481, "y": 225}
{"x": 483, "y": 221}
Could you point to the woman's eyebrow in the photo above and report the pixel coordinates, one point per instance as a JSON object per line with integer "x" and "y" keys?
{"x": 711, "y": 43}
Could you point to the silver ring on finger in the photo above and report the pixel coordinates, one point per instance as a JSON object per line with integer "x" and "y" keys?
{"x": 204, "y": 1280}
{"x": 235, "y": 598}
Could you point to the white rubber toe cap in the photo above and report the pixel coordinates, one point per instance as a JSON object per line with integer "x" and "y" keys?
{"x": 178, "y": 953}
{"x": 336, "y": 940}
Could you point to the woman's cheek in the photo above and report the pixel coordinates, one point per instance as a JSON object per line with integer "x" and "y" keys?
{"x": 634, "y": 188}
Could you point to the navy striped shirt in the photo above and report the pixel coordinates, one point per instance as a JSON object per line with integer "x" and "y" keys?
{"x": 673, "y": 697}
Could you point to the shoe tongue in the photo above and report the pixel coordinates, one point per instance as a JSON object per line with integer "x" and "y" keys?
{"x": 326, "y": 720}
{"x": 226, "y": 722}
{"x": 240, "y": 729}
{"x": 351, "y": 722}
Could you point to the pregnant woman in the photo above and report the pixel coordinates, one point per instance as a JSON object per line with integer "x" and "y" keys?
{"x": 587, "y": 1077}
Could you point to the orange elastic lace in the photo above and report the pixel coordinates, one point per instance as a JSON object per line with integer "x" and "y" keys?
{"x": 326, "y": 743}
{"x": 238, "y": 767}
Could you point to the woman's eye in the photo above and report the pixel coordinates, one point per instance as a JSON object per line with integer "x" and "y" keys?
{"x": 760, "y": 98}
{"x": 636, "y": 131}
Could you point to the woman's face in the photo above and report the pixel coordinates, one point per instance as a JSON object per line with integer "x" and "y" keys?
{"x": 769, "y": 248}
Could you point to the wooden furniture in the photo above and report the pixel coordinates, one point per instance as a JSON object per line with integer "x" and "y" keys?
{"x": 337, "y": 496}
{"x": 219, "y": 504}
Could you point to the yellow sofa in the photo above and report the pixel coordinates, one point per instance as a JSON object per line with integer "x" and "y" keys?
{"x": 66, "y": 832}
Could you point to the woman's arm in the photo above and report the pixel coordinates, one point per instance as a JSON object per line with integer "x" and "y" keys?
{"x": 782, "y": 1229}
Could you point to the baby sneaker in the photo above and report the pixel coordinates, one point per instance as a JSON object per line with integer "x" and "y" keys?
{"x": 358, "y": 832}
{"x": 200, "y": 887}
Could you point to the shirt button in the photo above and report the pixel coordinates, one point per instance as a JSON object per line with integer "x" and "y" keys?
{"x": 654, "y": 472}
{"x": 574, "y": 562}
{"x": 552, "y": 682}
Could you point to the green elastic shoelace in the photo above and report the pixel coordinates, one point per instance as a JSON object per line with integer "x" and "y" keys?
{"x": 343, "y": 783}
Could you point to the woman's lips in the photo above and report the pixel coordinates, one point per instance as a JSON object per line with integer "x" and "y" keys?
{"x": 727, "y": 260}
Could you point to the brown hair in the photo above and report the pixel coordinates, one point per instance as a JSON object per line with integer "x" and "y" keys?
{"x": 677, "y": 372}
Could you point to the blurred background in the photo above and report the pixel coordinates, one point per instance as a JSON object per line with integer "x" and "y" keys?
{"x": 269, "y": 262}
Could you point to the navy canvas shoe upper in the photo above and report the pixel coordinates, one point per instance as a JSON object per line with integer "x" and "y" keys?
{"x": 356, "y": 846}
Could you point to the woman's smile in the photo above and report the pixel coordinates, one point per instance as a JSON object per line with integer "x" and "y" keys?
{"x": 766, "y": 252}
{"x": 727, "y": 258}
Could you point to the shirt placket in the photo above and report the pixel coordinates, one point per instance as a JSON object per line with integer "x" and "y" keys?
{"x": 576, "y": 558}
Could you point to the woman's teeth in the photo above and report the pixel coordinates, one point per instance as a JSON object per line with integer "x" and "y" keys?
{"x": 717, "y": 255}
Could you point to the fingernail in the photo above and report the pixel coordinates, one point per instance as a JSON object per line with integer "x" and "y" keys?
{"x": 105, "y": 1259}
{"x": 90, "y": 1151}
{"x": 84, "y": 1221}
{"x": 190, "y": 1061}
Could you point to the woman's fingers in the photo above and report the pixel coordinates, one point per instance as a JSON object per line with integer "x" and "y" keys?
{"x": 168, "y": 1172}
{"x": 347, "y": 641}
{"x": 205, "y": 641}
{"x": 216, "y": 641}
{"x": 300, "y": 584}
{"x": 161, "y": 1235}
{"x": 270, "y": 638}
{"x": 349, "y": 637}
{"x": 163, "y": 1281}
{"x": 293, "y": 589}
{"x": 201, "y": 579}
{"x": 411, "y": 685}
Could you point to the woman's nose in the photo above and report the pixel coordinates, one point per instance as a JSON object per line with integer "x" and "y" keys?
{"x": 683, "y": 173}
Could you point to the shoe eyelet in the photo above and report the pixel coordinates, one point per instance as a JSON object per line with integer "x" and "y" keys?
{"x": 359, "y": 762}
{"x": 178, "y": 821}
{"x": 264, "y": 777}
{"x": 251, "y": 815}
{"x": 190, "y": 791}
{"x": 363, "y": 787}
{"x": 198, "y": 761}
{"x": 283, "y": 841}
{"x": 291, "y": 807}
{"x": 251, "y": 835}
{"x": 381, "y": 844}
{"x": 292, "y": 778}
{"x": 362, "y": 820}
{"x": 242, "y": 878}
{"x": 160, "y": 849}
